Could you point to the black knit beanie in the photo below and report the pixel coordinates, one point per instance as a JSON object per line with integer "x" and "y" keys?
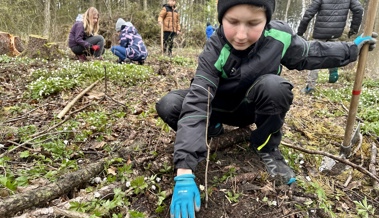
{"x": 224, "y": 5}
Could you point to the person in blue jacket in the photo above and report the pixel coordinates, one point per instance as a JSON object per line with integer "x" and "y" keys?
{"x": 209, "y": 30}
{"x": 131, "y": 47}
{"x": 238, "y": 81}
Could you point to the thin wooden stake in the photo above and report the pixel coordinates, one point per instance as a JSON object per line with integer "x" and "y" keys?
{"x": 69, "y": 105}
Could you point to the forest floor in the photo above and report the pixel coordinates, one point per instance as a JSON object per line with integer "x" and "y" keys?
{"x": 238, "y": 185}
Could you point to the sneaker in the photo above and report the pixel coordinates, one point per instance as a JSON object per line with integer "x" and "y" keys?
{"x": 141, "y": 62}
{"x": 127, "y": 60}
{"x": 81, "y": 57}
{"x": 215, "y": 130}
{"x": 307, "y": 90}
{"x": 277, "y": 167}
{"x": 333, "y": 75}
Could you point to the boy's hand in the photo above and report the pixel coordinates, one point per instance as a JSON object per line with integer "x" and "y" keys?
{"x": 360, "y": 41}
{"x": 95, "y": 47}
{"x": 185, "y": 198}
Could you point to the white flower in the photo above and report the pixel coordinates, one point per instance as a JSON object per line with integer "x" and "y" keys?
{"x": 96, "y": 195}
{"x": 153, "y": 187}
{"x": 97, "y": 180}
{"x": 158, "y": 179}
{"x": 65, "y": 142}
{"x": 127, "y": 184}
{"x": 201, "y": 187}
{"x": 274, "y": 203}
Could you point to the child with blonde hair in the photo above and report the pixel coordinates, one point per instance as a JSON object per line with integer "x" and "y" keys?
{"x": 84, "y": 39}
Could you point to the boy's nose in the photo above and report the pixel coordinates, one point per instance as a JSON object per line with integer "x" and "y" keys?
{"x": 241, "y": 32}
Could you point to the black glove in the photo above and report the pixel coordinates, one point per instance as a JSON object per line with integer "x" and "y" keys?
{"x": 351, "y": 32}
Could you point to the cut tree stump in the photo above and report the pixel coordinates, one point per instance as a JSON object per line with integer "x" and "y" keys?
{"x": 39, "y": 47}
{"x": 10, "y": 45}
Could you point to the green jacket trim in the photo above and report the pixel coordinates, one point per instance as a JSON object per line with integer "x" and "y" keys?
{"x": 281, "y": 36}
{"x": 221, "y": 61}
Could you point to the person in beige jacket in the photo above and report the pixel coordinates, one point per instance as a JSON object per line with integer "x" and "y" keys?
{"x": 169, "y": 18}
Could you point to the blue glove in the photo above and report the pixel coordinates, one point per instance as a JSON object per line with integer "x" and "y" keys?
{"x": 185, "y": 198}
{"x": 360, "y": 41}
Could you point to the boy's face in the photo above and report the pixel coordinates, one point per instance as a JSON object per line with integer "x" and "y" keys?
{"x": 243, "y": 25}
{"x": 171, "y": 2}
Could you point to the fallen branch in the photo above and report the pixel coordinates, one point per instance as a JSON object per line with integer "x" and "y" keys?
{"x": 41, "y": 195}
{"x": 60, "y": 123}
{"x": 69, "y": 105}
{"x": 231, "y": 138}
{"x": 345, "y": 161}
{"x": 371, "y": 167}
{"x": 54, "y": 212}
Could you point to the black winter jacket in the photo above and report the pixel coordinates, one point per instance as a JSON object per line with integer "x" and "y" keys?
{"x": 229, "y": 74}
{"x": 331, "y": 17}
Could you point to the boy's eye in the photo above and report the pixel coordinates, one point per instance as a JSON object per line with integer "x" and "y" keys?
{"x": 253, "y": 24}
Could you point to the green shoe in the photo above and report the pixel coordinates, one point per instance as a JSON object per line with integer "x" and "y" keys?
{"x": 333, "y": 75}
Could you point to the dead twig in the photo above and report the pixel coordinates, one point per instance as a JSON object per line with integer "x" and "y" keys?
{"x": 69, "y": 105}
{"x": 208, "y": 151}
{"x": 60, "y": 123}
{"x": 345, "y": 161}
{"x": 371, "y": 167}
{"x": 28, "y": 142}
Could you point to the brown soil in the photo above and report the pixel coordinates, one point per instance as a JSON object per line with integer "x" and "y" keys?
{"x": 233, "y": 170}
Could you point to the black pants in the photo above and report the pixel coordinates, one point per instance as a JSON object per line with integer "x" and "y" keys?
{"x": 94, "y": 40}
{"x": 168, "y": 41}
{"x": 266, "y": 104}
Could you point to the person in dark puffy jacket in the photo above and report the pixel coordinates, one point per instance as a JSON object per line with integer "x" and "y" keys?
{"x": 169, "y": 18}
{"x": 330, "y": 23}
{"x": 238, "y": 81}
{"x": 132, "y": 47}
{"x": 84, "y": 39}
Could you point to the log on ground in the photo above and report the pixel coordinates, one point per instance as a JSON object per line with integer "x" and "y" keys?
{"x": 42, "y": 195}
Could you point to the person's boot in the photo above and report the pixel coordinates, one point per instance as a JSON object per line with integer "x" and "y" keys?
{"x": 277, "y": 167}
{"x": 307, "y": 90}
{"x": 215, "y": 130}
{"x": 81, "y": 58}
{"x": 333, "y": 75}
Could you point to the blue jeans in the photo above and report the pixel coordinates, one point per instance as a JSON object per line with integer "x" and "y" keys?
{"x": 119, "y": 51}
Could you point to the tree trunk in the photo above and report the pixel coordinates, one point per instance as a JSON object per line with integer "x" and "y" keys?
{"x": 46, "y": 28}
{"x": 10, "y": 45}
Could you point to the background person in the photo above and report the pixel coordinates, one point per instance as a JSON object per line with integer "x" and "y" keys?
{"x": 131, "y": 47}
{"x": 169, "y": 18}
{"x": 84, "y": 39}
{"x": 329, "y": 25}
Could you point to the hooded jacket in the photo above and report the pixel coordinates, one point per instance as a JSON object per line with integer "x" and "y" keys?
{"x": 331, "y": 18}
{"x": 78, "y": 36}
{"x": 229, "y": 74}
{"x": 170, "y": 19}
{"x": 131, "y": 40}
